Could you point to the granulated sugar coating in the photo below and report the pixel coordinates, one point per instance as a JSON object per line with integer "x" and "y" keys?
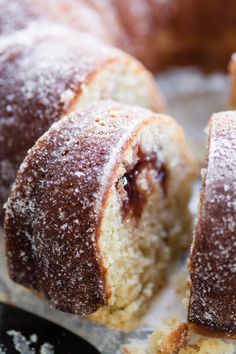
{"x": 212, "y": 263}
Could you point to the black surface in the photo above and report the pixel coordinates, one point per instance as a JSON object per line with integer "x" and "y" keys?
{"x": 63, "y": 341}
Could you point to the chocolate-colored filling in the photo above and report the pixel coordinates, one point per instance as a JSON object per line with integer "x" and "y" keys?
{"x": 135, "y": 196}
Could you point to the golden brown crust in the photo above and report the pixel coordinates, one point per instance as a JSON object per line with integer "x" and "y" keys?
{"x": 212, "y": 263}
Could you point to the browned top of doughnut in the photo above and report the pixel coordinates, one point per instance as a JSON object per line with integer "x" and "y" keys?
{"x": 212, "y": 264}
{"x": 55, "y": 207}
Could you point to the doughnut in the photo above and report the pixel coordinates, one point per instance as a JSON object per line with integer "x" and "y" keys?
{"x": 46, "y": 73}
{"x": 161, "y": 34}
{"x": 99, "y": 210}
{"x": 212, "y": 306}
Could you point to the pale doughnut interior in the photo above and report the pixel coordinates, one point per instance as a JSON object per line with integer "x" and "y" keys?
{"x": 122, "y": 80}
{"x": 137, "y": 250}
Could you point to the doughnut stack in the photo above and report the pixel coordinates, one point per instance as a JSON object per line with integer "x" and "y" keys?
{"x": 98, "y": 179}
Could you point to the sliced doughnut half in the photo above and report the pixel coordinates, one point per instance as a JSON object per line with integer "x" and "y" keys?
{"x": 99, "y": 210}
{"x": 212, "y": 266}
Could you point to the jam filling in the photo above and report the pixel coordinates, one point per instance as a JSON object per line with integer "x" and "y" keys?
{"x": 139, "y": 182}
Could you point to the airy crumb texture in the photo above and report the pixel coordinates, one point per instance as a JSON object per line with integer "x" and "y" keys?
{"x": 174, "y": 337}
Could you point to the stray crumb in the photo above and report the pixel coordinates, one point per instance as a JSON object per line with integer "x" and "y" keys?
{"x": 2, "y": 349}
{"x": 174, "y": 337}
{"x": 47, "y": 348}
{"x": 33, "y": 338}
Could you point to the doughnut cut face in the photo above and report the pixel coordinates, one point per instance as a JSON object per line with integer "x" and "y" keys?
{"x": 95, "y": 215}
{"x": 142, "y": 229}
{"x": 212, "y": 307}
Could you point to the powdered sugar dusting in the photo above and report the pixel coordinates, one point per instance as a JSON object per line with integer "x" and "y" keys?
{"x": 213, "y": 267}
